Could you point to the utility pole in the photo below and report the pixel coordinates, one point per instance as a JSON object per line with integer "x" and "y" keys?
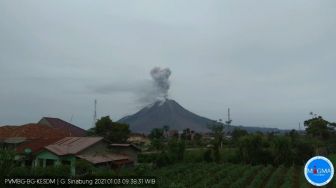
{"x": 95, "y": 113}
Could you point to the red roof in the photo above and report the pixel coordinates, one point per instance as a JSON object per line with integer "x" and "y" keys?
{"x": 72, "y": 145}
{"x": 57, "y": 123}
{"x": 35, "y": 145}
{"x": 30, "y": 132}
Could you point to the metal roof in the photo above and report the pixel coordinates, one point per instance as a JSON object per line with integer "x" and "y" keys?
{"x": 103, "y": 158}
{"x": 72, "y": 145}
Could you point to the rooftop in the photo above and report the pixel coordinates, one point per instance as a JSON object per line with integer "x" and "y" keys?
{"x": 103, "y": 158}
{"x": 30, "y": 132}
{"x": 72, "y": 145}
{"x": 57, "y": 123}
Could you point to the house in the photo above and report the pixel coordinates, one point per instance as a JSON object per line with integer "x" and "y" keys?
{"x": 47, "y": 129}
{"x": 126, "y": 149}
{"x": 12, "y": 137}
{"x": 28, "y": 139}
{"x": 70, "y": 149}
{"x": 70, "y": 129}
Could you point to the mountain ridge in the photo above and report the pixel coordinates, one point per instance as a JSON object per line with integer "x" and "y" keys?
{"x": 169, "y": 112}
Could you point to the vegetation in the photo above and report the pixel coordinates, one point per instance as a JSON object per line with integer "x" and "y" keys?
{"x": 245, "y": 160}
{"x": 111, "y": 131}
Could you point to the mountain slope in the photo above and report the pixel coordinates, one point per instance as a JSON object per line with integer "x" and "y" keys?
{"x": 167, "y": 112}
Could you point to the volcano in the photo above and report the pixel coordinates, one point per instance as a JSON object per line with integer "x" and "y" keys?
{"x": 166, "y": 112}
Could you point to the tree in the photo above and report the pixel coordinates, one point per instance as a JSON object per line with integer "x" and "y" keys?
{"x": 237, "y": 133}
{"x": 252, "y": 151}
{"x": 217, "y": 130}
{"x": 156, "y": 133}
{"x": 282, "y": 150}
{"x": 319, "y": 128}
{"x": 156, "y": 136}
{"x": 7, "y": 162}
{"x": 176, "y": 149}
{"x": 111, "y": 131}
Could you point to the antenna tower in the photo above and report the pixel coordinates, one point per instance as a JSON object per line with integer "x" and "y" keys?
{"x": 228, "y": 122}
{"x": 95, "y": 113}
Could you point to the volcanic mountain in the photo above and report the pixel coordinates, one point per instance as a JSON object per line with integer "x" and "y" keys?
{"x": 166, "y": 112}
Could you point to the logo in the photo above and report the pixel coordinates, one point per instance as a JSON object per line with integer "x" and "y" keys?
{"x": 319, "y": 171}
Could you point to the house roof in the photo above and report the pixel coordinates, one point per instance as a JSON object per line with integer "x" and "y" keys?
{"x": 104, "y": 158}
{"x": 125, "y": 145}
{"x": 57, "y": 123}
{"x": 36, "y": 145}
{"x": 72, "y": 145}
{"x": 29, "y": 132}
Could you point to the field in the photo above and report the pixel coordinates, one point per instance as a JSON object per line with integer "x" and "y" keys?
{"x": 231, "y": 175}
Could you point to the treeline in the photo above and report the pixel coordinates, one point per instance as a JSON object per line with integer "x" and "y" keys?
{"x": 238, "y": 146}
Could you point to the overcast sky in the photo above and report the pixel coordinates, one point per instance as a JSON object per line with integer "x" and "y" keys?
{"x": 271, "y": 62}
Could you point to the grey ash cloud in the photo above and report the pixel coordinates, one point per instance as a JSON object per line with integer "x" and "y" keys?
{"x": 161, "y": 82}
{"x": 145, "y": 92}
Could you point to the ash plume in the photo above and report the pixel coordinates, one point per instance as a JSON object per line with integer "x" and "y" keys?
{"x": 145, "y": 91}
{"x": 161, "y": 82}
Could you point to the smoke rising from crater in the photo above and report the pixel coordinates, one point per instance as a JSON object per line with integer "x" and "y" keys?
{"x": 145, "y": 91}
{"x": 161, "y": 82}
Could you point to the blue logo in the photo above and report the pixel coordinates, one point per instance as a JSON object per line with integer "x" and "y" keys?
{"x": 319, "y": 171}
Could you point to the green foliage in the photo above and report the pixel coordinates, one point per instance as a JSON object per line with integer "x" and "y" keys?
{"x": 156, "y": 133}
{"x": 252, "y": 151}
{"x": 162, "y": 159}
{"x": 142, "y": 169}
{"x": 157, "y": 144}
{"x": 282, "y": 151}
{"x": 19, "y": 172}
{"x": 289, "y": 178}
{"x": 52, "y": 171}
{"x": 157, "y": 137}
{"x": 207, "y": 156}
{"x": 319, "y": 128}
{"x": 84, "y": 168}
{"x": 217, "y": 130}
{"x": 112, "y": 131}
{"x": 103, "y": 172}
{"x": 7, "y": 161}
{"x": 176, "y": 149}
{"x": 194, "y": 156}
{"x": 147, "y": 157}
{"x": 237, "y": 133}
{"x": 245, "y": 178}
{"x": 259, "y": 179}
{"x": 277, "y": 177}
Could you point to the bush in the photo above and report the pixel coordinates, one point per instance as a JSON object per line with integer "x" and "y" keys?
{"x": 207, "y": 156}
{"x": 83, "y": 168}
{"x": 52, "y": 171}
{"x": 20, "y": 172}
{"x": 7, "y": 161}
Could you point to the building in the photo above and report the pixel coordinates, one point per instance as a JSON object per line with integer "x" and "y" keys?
{"x": 70, "y": 149}
{"x": 12, "y": 137}
{"x": 126, "y": 149}
{"x": 59, "y": 124}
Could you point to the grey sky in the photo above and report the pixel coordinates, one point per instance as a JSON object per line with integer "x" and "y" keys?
{"x": 271, "y": 62}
